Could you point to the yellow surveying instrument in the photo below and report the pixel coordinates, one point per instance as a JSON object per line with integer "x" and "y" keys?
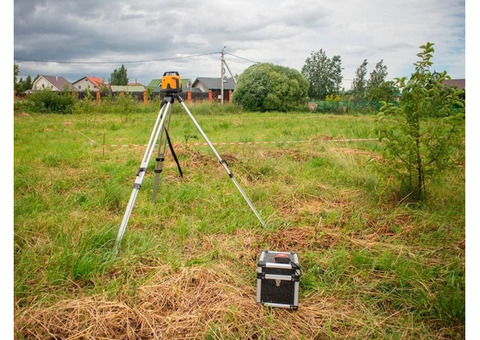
{"x": 171, "y": 86}
{"x": 171, "y": 82}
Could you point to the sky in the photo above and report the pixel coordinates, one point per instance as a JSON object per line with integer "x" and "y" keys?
{"x": 92, "y": 38}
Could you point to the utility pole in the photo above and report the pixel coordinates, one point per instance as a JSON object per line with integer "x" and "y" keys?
{"x": 222, "y": 73}
{"x": 224, "y": 64}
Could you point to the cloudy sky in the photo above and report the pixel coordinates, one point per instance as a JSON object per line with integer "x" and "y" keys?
{"x": 78, "y": 38}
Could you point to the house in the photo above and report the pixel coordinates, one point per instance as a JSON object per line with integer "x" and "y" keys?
{"x": 135, "y": 83}
{"x": 213, "y": 84}
{"x": 93, "y": 83}
{"x": 460, "y": 83}
{"x": 54, "y": 83}
{"x": 127, "y": 88}
{"x": 206, "y": 84}
{"x": 154, "y": 83}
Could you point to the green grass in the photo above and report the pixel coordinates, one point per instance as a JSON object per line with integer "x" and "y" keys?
{"x": 387, "y": 270}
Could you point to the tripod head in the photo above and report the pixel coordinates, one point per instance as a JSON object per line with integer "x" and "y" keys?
{"x": 171, "y": 82}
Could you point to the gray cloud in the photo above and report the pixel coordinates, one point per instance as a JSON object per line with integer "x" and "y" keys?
{"x": 282, "y": 32}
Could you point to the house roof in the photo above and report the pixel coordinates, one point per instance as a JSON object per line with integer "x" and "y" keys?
{"x": 460, "y": 83}
{"x": 154, "y": 83}
{"x": 215, "y": 83}
{"x": 98, "y": 82}
{"x": 127, "y": 88}
{"x": 59, "y": 82}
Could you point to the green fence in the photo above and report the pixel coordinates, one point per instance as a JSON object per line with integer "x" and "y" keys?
{"x": 332, "y": 106}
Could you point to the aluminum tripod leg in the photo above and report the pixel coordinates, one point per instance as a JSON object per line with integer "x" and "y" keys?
{"x": 159, "y": 123}
{"x": 224, "y": 164}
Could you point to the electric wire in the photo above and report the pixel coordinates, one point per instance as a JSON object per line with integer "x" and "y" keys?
{"x": 113, "y": 62}
{"x": 128, "y": 61}
{"x": 246, "y": 59}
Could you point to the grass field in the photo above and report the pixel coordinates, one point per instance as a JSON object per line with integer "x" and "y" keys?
{"x": 372, "y": 268}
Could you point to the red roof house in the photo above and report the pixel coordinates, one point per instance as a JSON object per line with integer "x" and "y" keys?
{"x": 88, "y": 82}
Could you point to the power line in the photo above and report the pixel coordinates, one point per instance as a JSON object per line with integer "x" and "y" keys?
{"x": 250, "y": 60}
{"x": 113, "y": 62}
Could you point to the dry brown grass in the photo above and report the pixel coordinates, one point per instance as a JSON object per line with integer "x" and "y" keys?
{"x": 215, "y": 300}
{"x": 190, "y": 303}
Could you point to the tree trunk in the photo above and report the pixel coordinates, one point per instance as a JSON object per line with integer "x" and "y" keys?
{"x": 419, "y": 166}
{"x": 420, "y": 183}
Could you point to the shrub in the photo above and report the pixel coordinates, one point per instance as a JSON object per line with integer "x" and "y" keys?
{"x": 268, "y": 87}
{"x": 49, "y": 101}
{"x": 421, "y": 133}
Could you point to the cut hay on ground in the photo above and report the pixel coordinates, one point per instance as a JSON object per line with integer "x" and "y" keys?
{"x": 194, "y": 302}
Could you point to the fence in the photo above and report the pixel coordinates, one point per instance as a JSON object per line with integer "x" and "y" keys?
{"x": 344, "y": 106}
{"x": 142, "y": 96}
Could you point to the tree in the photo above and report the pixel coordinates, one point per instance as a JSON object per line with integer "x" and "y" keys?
{"x": 18, "y": 85}
{"x": 119, "y": 77}
{"x": 16, "y": 70}
{"x": 378, "y": 75}
{"x": 24, "y": 85}
{"x": 359, "y": 86}
{"x": 378, "y": 89}
{"x": 28, "y": 83}
{"x": 323, "y": 74}
{"x": 268, "y": 87}
{"x": 420, "y": 133}
{"x": 21, "y": 85}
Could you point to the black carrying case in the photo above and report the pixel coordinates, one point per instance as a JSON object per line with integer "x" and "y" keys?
{"x": 278, "y": 280}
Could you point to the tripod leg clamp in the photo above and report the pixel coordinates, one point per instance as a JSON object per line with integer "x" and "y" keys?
{"x": 142, "y": 169}
{"x": 225, "y": 166}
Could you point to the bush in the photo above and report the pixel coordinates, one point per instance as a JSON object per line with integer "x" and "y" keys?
{"x": 111, "y": 103}
{"x": 49, "y": 101}
{"x": 422, "y": 132}
{"x": 268, "y": 87}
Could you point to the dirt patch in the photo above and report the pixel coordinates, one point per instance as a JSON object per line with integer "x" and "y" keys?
{"x": 198, "y": 159}
{"x": 195, "y": 159}
{"x": 296, "y": 155}
{"x": 230, "y": 159}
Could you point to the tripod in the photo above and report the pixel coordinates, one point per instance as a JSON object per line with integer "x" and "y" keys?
{"x": 158, "y": 129}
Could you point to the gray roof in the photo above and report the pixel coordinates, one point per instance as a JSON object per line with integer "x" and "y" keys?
{"x": 460, "y": 83}
{"x": 59, "y": 82}
{"x": 127, "y": 88}
{"x": 215, "y": 83}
